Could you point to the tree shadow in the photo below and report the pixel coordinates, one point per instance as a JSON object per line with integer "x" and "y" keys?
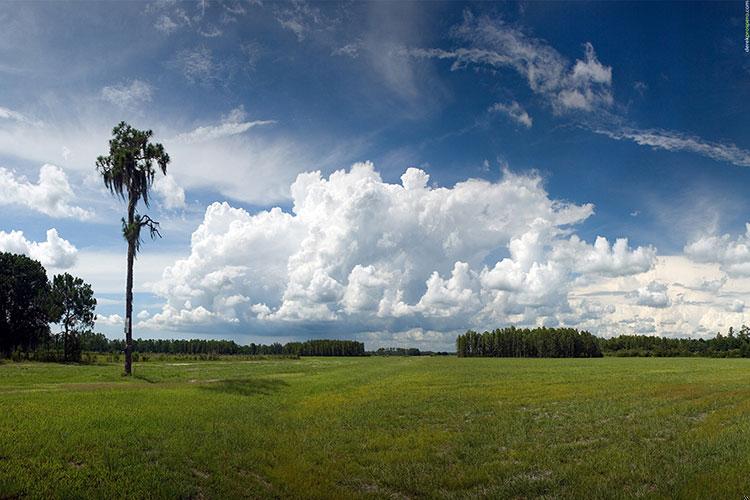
{"x": 144, "y": 378}
{"x": 246, "y": 387}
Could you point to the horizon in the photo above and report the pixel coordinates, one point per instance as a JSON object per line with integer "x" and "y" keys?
{"x": 395, "y": 174}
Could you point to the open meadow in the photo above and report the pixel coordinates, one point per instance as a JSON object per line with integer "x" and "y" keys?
{"x": 378, "y": 427}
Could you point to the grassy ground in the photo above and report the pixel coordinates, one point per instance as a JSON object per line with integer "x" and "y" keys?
{"x": 375, "y": 427}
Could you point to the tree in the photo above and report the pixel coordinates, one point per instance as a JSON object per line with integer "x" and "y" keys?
{"x": 74, "y": 306}
{"x": 128, "y": 172}
{"x": 24, "y": 303}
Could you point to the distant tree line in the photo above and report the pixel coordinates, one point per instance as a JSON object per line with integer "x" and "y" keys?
{"x": 397, "y": 351}
{"x": 735, "y": 344}
{"x": 96, "y": 342}
{"x": 541, "y": 342}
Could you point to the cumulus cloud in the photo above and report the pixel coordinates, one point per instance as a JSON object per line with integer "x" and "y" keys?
{"x": 231, "y": 124}
{"x": 128, "y": 95}
{"x": 50, "y": 195}
{"x": 514, "y": 111}
{"x": 676, "y": 141}
{"x": 362, "y": 254}
{"x": 653, "y": 295}
{"x": 55, "y": 252}
{"x": 490, "y": 42}
{"x": 732, "y": 254}
{"x": 172, "y": 195}
{"x": 110, "y": 320}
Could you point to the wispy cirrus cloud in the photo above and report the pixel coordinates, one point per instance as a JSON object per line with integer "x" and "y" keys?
{"x": 233, "y": 123}
{"x": 127, "y": 95}
{"x": 676, "y": 141}
{"x": 514, "y": 111}
{"x": 583, "y": 86}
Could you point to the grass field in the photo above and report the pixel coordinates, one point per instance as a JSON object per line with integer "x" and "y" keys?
{"x": 378, "y": 427}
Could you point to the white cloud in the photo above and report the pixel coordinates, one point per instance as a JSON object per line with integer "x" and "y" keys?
{"x": 583, "y": 86}
{"x": 732, "y": 254}
{"x": 165, "y": 24}
{"x": 513, "y": 110}
{"x": 736, "y": 306}
{"x": 197, "y": 65}
{"x": 51, "y": 195}
{"x": 172, "y": 195}
{"x": 9, "y": 114}
{"x": 128, "y": 95}
{"x": 300, "y": 18}
{"x": 55, "y": 252}
{"x": 676, "y": 141}
{"x": 110, "y": 320}
{"x": 653, "y": 295}
{"x": 374, "y": 255}
{"x": 606, "y": 260}
{"x": 234, "y": 123}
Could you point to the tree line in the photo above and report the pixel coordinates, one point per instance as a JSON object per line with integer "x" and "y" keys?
{"x": 96, "y": 342}
{"x": 735, "y": 344}
{"x": 541, "y": 342}
{"x": 570, "y": 343}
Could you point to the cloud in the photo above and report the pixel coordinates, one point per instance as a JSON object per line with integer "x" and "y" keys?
{"x": 128, "y": 95}
{"x": 350, "y": 50}
{"x": 361, "y": 254}
{"x": 9, "y": 114}
{"x": 51, "y": 195}
{"x": 165, "y": 24}
{"x": 300, "y": 18}
{"x": 513, "y": 110}
{"x": 732, "y": 254}
{"x": 111, "y": 320}
{"x": 172, "y": 195}
{"x": 736, "y": 306}
{"x": 584, "y": 86}
{"x": 232, "y": 124}
{"x": 197, "y": 65}
{"x": 676, "y": 141}
{"x": 653, "y": 295}
{"x": 55, "y": 252}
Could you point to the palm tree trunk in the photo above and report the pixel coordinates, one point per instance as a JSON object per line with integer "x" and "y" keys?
{"x": 129, "y": 294}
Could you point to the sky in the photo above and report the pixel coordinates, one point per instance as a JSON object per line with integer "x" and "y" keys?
{"x": 394, "y": 173}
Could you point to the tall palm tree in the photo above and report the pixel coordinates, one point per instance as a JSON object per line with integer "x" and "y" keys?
{"x": 128, "y": 172}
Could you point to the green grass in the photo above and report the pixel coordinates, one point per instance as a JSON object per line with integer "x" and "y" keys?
{"x": 378, "y": 427}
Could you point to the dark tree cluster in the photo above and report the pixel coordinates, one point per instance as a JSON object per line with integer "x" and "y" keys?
{"x": 29, "y": 303}
{"x": 326, "y": 348}
{"x": 529, "y": 343}
{"x": 397, "y": 351}
{"x": 96, "y": 342}
{"x": 735, "y": 344}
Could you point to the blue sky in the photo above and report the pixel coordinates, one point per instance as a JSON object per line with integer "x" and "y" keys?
{"x": 637, "y": 109}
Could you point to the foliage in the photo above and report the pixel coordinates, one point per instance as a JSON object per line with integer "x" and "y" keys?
{"x": 326, "y": 348}
{"x": 528, "y": 343}
{"x": 128, "y": 172}
{"x": 74, "y": 305}
{"x": 734, "y": 344}
{"x": 397, "y": 351}
{"x": 25, "y": 308}
{"x": 96, "y": 342}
